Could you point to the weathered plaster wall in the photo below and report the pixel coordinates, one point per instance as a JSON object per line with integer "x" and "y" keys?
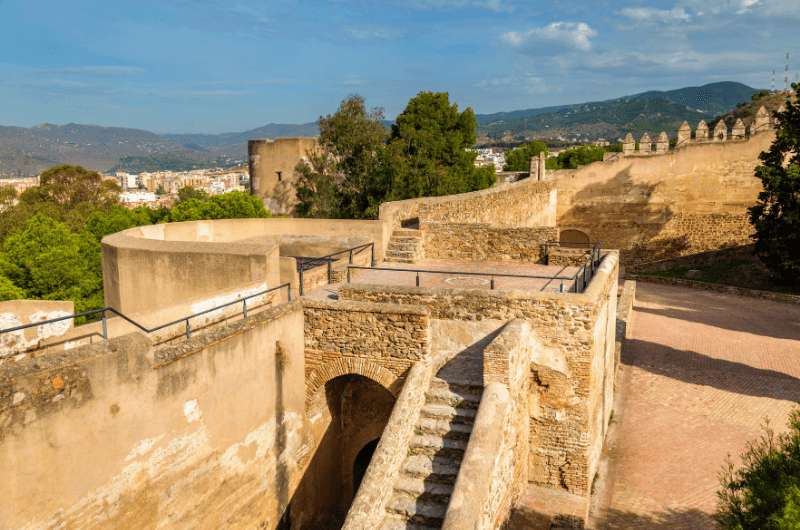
{"x": 526, "y": 203}
{"x": 686, "y": 201}
{"x": 576, "y": 361}
{"x": 204, "y": 434}
{"x": 481, "y": 241}
{"x": 15, "y": 313}
{"x": 272, "y": 173}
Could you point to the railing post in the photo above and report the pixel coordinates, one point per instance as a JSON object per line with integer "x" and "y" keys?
{"x": 188, "y": 329}
{"x": 417, "y": 279}
{"x": 244, "y": 308}
{"x": 491, "y": 283}
{"x": 105, "y": 325}
{"x": 330, "y": 271}
{"x": 372, "y": 254}
{"x": 301, "y": 281}
{"x": 288, "y": 292}
{"x": 350, "y": 261}
{"x": 561, "y": 289}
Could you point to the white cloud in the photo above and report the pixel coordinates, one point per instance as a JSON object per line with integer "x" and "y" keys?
{"x": 529, "y": 84}
{"x": 769, "y": 8}
{"x": 576, "y": 35}
{"x": 654, "y": 15}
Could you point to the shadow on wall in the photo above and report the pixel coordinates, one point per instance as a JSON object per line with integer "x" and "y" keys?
{"x": 698, "y": 369}
{"x": 621, "y": 214}
{"x": 357, "y": 410}
{"x": 667, "y": 520}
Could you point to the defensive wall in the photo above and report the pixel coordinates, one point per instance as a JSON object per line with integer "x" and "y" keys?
{"x": 683, "y": 201}
{"x": 207, "y": 433}
{"x": 272, "y": 169}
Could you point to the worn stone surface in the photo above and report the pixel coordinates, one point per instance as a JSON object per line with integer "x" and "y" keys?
{"x": 482, "y": 242}
{"x": 98, "y": 437}
{"x": 686, "y": 201}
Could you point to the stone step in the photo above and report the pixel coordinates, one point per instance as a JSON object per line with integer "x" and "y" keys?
{"x": 416, "y": 487}
{"x": 402, "y": 253}
{"x": 402, "y": 247}
{"x": 395, "y": 259}
{"x": 459, "y": 397}
{"x": 395, "y": 521}
{"x": 433, "y": 469}
{"x": 431, "y": 445}
{"x": 455, "y": 414}
{"x": 446, "y": 428}
{"x": 400, "y": 232}
{"x": 421, "y": 511}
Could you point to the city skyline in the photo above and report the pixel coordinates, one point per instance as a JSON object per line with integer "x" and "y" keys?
{"x": 214, "y": 66}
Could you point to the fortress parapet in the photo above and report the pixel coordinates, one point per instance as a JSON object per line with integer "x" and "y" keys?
{"x": 739, "y": 132}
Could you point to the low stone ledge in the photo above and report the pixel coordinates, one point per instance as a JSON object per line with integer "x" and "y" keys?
{"x": 482, "y": 481}
{"x": 719, "y": 288}
{"x": 369, "y": 506}
{"x": 355, "y": 306}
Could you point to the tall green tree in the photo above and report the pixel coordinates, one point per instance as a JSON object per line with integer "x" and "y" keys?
{"x": 427, "y": 151}
{"x": 519, "y": 158}
{"x": 231, "y": 205}
{"x": 45, "y": 260}
{"x": 776, "y": 215}
{"x": 343, "y": 178}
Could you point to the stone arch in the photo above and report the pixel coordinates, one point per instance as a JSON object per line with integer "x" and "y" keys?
{"x": 572, "y": 235}
{"x": 350, "y": 366}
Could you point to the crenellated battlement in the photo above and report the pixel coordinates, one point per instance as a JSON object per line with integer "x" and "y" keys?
{"x": 739, "y": 132}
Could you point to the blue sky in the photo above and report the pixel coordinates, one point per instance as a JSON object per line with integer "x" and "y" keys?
{"x": 231, "y": 65}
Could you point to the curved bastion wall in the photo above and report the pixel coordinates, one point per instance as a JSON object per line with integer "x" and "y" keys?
{"x": 197, "y": 264}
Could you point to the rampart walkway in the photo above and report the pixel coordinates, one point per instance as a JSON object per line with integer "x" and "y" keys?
{"x": 699, "y": 375}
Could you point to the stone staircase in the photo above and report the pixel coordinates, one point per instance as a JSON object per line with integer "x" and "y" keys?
{"x": 405, "y": 246}
{"x": 422, "y": 491}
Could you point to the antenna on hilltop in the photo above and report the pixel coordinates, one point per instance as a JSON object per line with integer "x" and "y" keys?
{"x": 786, "y": 74}
{"x": 772, "y": 86}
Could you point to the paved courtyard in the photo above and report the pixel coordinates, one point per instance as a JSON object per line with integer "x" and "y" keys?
{"x": 699, "y": 376}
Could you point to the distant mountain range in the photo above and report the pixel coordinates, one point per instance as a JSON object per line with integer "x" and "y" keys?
{"x": 651, "y": 111}
{"x": 30, "y": 150}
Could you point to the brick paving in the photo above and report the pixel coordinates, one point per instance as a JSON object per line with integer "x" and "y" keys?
{"x": 699, "y": 375}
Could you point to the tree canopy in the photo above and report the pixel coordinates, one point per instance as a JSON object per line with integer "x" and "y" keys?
{"x": 576, "y": 156}
{"x": 358, "y": 165}
{"x": 50, "y": 239}
{"x": 519, "y": 158}
{"x": 342, "y": 179}
{"x": 776, "y": 215}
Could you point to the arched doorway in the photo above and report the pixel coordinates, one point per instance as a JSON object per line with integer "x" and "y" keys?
{"x": 348, "y": 415}
{"x": 362, "y": 463}
{"x": 573, "y": 237}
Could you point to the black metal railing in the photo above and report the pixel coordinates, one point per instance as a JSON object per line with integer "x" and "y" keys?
{"x": 574, "y": 283}
{"x": 305, "y": 263}
{"x": 104, "y": 311}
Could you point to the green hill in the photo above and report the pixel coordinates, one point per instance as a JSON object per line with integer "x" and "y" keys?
{"x": 651, "y": 111}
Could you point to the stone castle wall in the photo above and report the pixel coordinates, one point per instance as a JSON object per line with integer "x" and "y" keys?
{"x": 272, "y": 174}
{"x": 526, "y": 203}
{"x": 100, "y": 436}
{"x": 380, "y": 341}
{"x": 577, "y": 332}
{"x": 686, "y": 201}
{"x": 481, "y": 241}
